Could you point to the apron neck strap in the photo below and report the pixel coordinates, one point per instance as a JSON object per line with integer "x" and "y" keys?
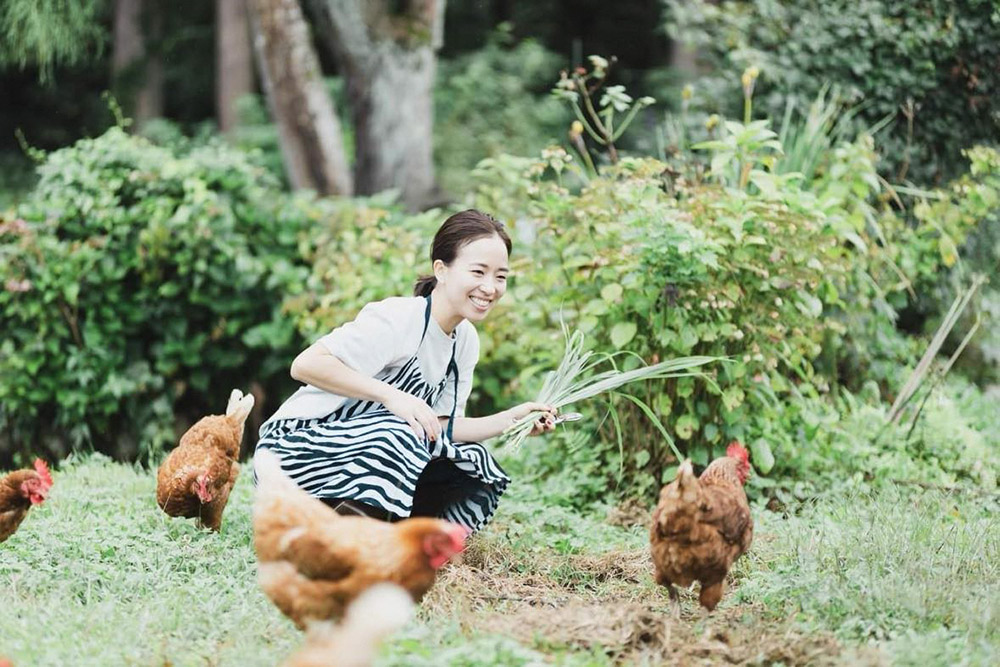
{"x": 427, "y": 318}
{"x": 453, "y": 368}
{"x": 452, "y": 365}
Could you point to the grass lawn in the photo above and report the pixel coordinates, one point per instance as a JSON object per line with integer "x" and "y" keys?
{"x": 99, "y": 576}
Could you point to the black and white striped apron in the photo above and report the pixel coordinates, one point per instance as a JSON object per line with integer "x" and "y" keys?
{"x": 363, "y": 452}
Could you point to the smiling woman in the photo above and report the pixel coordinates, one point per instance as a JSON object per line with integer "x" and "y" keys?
{"x": 379, "y": 428}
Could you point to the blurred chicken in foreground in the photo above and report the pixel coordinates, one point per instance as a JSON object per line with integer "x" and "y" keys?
{"x": 19, "y": 492}
{"x": 376, "y": 614}
{"x": 196, "y": 478}
{"x": 313, "y": 562}
{"x": 702, "y": 525}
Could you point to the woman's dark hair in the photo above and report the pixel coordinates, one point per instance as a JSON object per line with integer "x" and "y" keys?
{"x": 460, "y": 229}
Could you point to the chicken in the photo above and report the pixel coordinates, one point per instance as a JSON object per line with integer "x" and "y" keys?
{"x": 377, "y": 613}
{"x": 19, "y": 491}
{"x": 702, "y": 525}
{"x": 196, "y": 478}
{"x": 313, "y": 562}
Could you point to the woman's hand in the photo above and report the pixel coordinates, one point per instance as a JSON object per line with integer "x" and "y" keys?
{"x": 416, "y": 413}
{"x": 543, "y": 424}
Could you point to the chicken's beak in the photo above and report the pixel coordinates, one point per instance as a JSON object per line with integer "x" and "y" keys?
{"x": 458, "y": 536}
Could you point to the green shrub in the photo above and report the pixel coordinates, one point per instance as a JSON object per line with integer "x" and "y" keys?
{"x": 140, "y": 285}
{"x": 359, "y": 250}
{"x": 937, "y": 61}
{"x": 493, "y": 101}
{"x": 788, "y": 278}
{"x": 668, "y": 269}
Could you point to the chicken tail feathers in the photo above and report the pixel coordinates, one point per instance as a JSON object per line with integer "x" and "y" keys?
{"x": 375, "y": 615}
{"x": 239, "y": 406}
{"x": 379, "y": 611}
{"x": 371, "y": 618}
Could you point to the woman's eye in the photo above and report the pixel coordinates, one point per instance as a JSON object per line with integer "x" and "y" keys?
{"x": 477, "y": 272}
{"x": 502, "y": 279}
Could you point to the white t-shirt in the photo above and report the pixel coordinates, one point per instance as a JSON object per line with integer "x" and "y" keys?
{"x": 383, "y": 337}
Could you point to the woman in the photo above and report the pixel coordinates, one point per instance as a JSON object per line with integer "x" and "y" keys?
{"x": 380, "y": 427}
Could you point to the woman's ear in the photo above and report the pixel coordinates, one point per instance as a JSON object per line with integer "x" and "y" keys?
{"x": 440, "y": 269}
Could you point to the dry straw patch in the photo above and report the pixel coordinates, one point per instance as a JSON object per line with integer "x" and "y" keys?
{"x": 609, "y": 602}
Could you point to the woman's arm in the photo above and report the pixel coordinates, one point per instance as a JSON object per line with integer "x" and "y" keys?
{"x": 317, "y": 367}
{"x": 477, "y": 429}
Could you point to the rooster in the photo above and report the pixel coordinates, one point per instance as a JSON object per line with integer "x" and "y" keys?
{"x": 377, "y": 613}
{"x": 702, "y": 525}
{"x": 19, "y": 491}
{"x": 196, "y": 478}
{"x": 313, "y": 562}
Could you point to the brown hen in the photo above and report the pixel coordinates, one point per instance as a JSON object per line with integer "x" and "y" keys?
{"x": 19, "y": 491}
{"x": 702, "y": 525}
{"x": 313, "y": 562}
{"x": 196, "y": 478}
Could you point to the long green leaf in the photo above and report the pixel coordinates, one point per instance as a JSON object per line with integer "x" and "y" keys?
{"x": 657, "y": 423}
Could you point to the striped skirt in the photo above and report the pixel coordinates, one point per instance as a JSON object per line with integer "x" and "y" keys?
{"x": 375, "y": 458}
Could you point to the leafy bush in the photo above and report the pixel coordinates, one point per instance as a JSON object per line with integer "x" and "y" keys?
{"x": 493, "y": 101}
{"x": 706, "y": 271}
{"x": 139, "y": 284}
{"x": 359, "y": 250}
{"x": 788, "y": 278}
{"x": 935, "y": 62}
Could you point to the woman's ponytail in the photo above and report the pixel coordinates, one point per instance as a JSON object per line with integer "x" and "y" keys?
{"x": 424, "y": 286}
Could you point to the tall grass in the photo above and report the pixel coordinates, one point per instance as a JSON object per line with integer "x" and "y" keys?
{"x": 917, "y": 571}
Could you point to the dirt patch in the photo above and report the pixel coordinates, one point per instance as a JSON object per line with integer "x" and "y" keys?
{"x": 608, "y": 602}
{"x": 634, "y": 633}
{"x": 631, "y": 512}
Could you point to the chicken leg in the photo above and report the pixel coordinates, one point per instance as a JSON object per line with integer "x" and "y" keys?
{"x": 710, "y": 594}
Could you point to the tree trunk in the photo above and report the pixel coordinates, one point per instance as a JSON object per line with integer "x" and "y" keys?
{"x": 233, "y": 60}
{"x": 137, "y": 68}
{"x": 389, "y": 59}
{"x": 308, "y": 129}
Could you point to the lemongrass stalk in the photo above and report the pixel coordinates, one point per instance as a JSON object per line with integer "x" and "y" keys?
{"x": 574, "y": 380}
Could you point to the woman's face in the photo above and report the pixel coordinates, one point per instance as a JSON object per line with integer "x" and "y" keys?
{"x": 476, "y": 279}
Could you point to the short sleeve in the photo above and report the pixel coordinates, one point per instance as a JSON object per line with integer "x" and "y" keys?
{"x": 371, "y": 342}
{"x": 466, "y": 356}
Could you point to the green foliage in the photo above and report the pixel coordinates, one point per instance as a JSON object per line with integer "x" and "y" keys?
{"x": 139, "y": 282}
{"x": 604, "y": 122}
{"x": 47, "y": 33}
{"x": 930, "y": 66}
{"x": 914, "y": 268}
{"x": 491, "y": 101}
{"x": 359, "y": 250}
{"x": 665, "y": 269}
{"x": 16, "y": 178}
{"x": 797, "y": 281}
{"x": 821, "y": 443}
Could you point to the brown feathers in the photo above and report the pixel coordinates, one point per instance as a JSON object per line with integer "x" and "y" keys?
{"x": 702, "y": 525}
{"x": 314, "y": 562}
{"x": 197, "y": 476}
{"x": 20, "y": 490}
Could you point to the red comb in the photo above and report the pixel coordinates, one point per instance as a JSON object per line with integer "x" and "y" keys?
{"x": 43, "y": 471}
{"x": 736, "y": 450}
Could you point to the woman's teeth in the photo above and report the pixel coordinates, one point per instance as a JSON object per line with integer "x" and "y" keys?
{"x": 482, "y": 303}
